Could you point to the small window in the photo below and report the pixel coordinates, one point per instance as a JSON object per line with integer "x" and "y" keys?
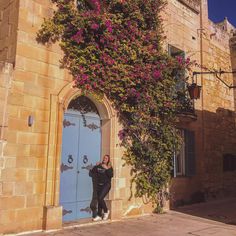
{"x": 229, "y": 163}
{"x": 175, "y": 52}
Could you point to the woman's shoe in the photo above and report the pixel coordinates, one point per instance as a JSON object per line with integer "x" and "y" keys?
{"x": 97, "y": 218}
{"x": 106, "y": 215}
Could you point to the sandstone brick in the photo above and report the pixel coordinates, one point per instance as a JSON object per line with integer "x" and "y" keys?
{"x": 16, "y": 99}
{"x": 7, "y": 216}
{"x": 23, "y": 150}
{"x": 10, "y": 162}
{"x": 31, "y": 138}
{"x": 12, "y": 202}
{"x": 25, "y": 75}
{"x": 26, "y": 162}
{"x": 41, "y": 127}
{"x": 17, "y": 125}
{"x": 13, "y": 111}
{"x": 52, "y": 218}
{"x": 39, "y": 188}
{"x": 8, "y": 188}
{"x": 28, "y": 213}
{"x": 41, "y": 163}
{"x": 11, "y": 136}
{"x": 36, "y": 175}
{"x": 12, "y": 174}
{"x": 34, "y": 200}
{"x": 38, "y": 150}
{"x": 10, "y": 149}
{"x": 24, "y": 188}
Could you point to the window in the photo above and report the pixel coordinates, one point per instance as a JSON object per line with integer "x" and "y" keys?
{"x": 180, "y": 157}
{"x": 184, "y": 160}
{"x": 175, "y": 52}
{"x": 229, "y": 163}
{"x": 180, "y": 93}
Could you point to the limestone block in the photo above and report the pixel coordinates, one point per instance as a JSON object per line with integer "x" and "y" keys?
{"x": 52, "y": 217}
{"x": 115, "y": 207}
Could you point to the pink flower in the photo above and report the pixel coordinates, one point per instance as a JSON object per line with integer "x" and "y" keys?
{"x": 88, "y": 86}
{"x": 188, "y": 60}
{"x": 95, "y": 26}
{"x": 179, "y": 59}
{"x": 78, "y": 37}
{"x": 156, "y": 74}
{"x": 96, "y": 4}
{"x": 108, "y": 24}
{"x": 122, "y": 134}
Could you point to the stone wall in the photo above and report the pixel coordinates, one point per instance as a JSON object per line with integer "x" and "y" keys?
{"x": 8, "y": 29}
{"x": 36, "y": 76}
{"x": 5, "y": 83}
{"x": 41, "y": 89}
{"x": 30, "y": 164}
{"x": 208, "y": 44}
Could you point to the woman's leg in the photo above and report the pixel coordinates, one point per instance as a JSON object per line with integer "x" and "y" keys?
{"x": 101, "y": 195}
{"x": 94, "y": 201}
{"x": 99, "y": 191}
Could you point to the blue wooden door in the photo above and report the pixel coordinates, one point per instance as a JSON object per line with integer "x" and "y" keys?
{"x": 81, "y": 148}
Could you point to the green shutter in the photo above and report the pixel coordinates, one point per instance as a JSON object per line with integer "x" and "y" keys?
{"x": 190, "y": 165}
{"x": 174, "y": 174}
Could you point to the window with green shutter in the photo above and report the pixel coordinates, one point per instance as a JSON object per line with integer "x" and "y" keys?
{"x": 184, "y": 159}
{"x": 190, "y": 165}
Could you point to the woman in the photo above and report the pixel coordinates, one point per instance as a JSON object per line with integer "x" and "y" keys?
{"x": 103, "y": 173}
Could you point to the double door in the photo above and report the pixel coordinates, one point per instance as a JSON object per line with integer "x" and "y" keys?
{"x": 81, "y": 149}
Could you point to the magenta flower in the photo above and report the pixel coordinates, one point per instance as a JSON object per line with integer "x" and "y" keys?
{"x": 108, "y": 24}
{"x": 78, "y": 37}
{"x": 122, "y": 134}
{"x": 179, "y": 59}
{"x": 95, "y": 26}
{"x": 97, "y": 5}
{"x": 156, "y": 74}
{"x": 188, "y": 60}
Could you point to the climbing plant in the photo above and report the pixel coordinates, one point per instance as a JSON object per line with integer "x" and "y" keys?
{"x": 114, "y": 48}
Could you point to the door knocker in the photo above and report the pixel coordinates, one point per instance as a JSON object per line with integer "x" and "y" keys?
{"x": 85, "y": 159}
{"x": 70, "y": 159}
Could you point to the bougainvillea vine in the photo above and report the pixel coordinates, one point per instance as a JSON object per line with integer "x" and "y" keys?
{"x": 113, "y": 48}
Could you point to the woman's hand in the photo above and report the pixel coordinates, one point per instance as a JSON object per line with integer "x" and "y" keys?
{"x": 98, "y": 163}
{"x": 105, "y": 166}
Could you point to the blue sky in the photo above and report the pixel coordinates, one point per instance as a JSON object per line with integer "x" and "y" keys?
{"x": 218, "y": 9}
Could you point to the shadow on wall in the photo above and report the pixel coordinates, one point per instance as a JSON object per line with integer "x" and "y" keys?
{"x": 215, "y": 160}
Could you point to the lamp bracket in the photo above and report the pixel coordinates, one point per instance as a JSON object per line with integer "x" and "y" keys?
{"x": 217, "y": 75}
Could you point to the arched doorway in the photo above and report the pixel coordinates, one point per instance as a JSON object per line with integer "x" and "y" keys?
{"x": 81, "y": 149}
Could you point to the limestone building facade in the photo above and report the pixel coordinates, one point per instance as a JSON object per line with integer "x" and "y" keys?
{"x": 35, "y": 93}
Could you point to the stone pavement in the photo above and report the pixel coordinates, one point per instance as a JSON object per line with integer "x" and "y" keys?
{"x": 206, "y": 219}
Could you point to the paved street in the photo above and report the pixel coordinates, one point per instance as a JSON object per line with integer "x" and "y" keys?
{"x": 207, "y": 219}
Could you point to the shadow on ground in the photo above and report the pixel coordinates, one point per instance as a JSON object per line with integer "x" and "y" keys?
{"x": 223, "y": 211}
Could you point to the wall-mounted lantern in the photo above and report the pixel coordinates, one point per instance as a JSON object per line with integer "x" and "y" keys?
{"x": 194, "y": 91}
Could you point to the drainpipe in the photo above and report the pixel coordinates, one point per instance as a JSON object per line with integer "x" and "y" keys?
{"x": 202, "y": 81}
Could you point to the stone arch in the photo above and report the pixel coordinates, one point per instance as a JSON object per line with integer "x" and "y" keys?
{"x": 68, "y": 93}
{"x": 58, "y": 105}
